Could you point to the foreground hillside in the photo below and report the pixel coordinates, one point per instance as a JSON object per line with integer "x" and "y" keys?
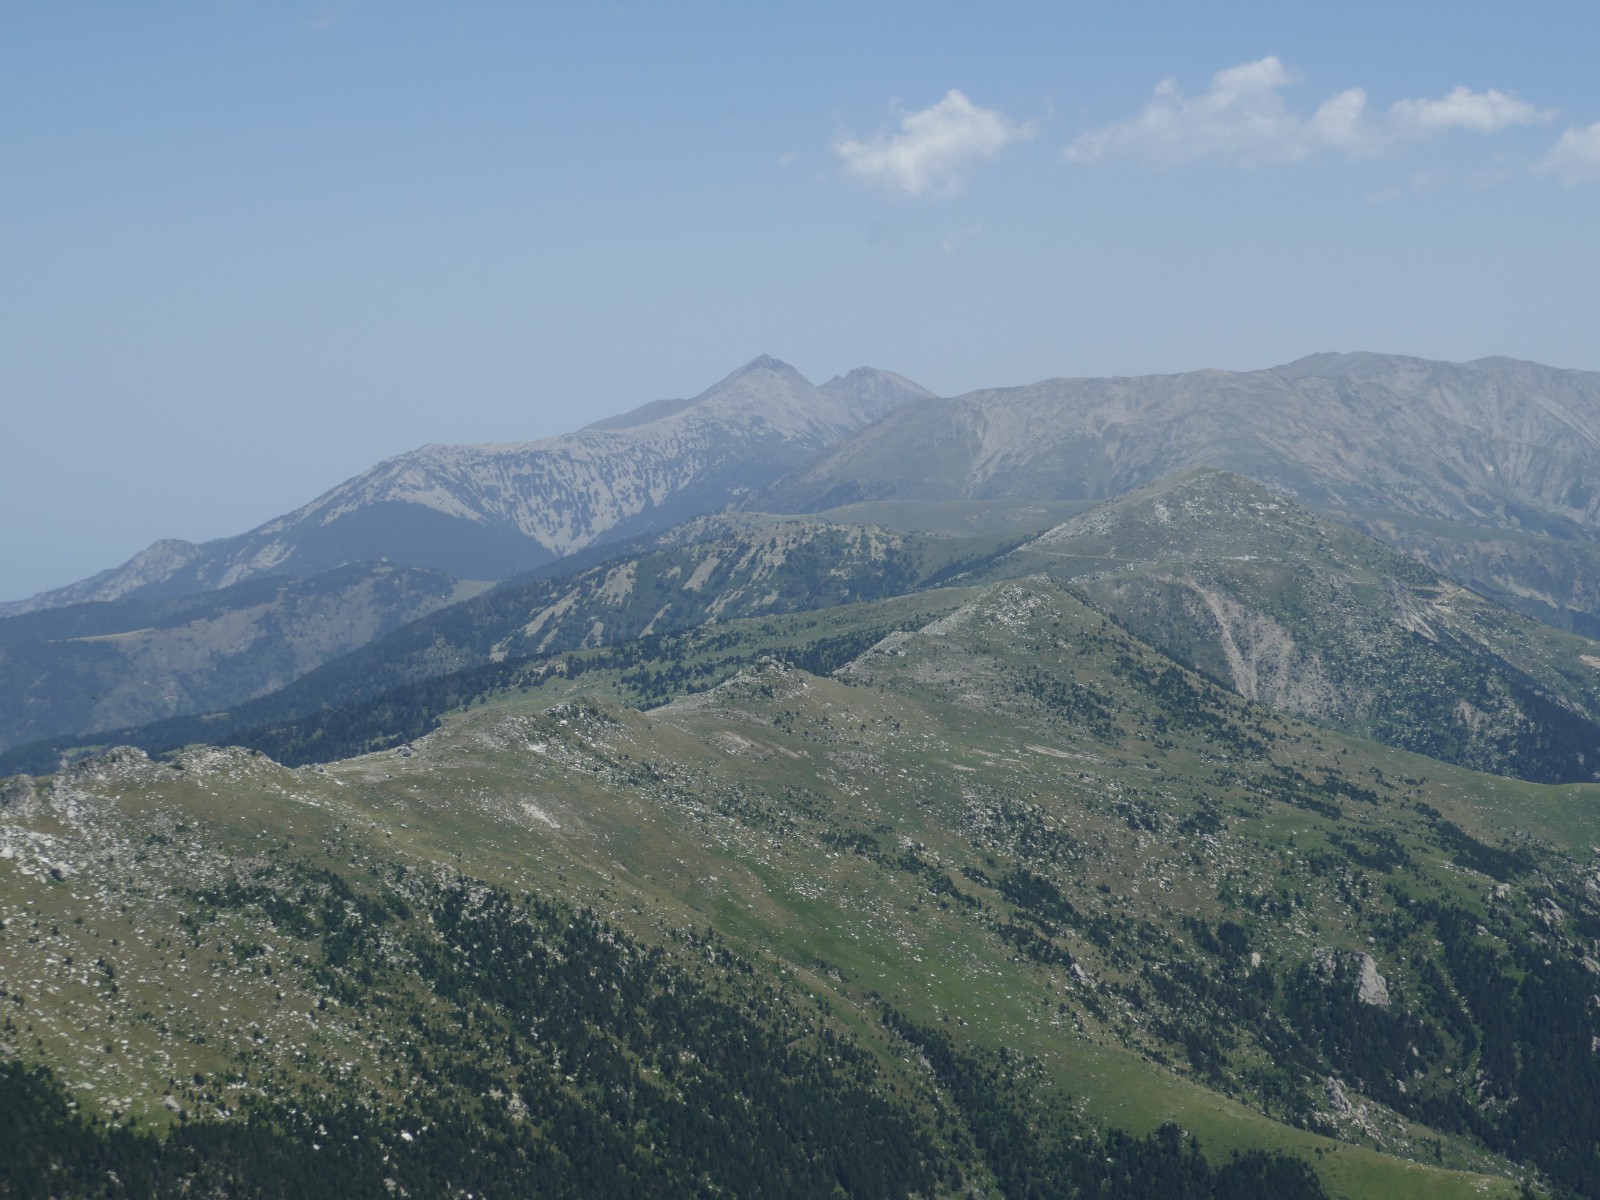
{"x": 1010, "y": 897}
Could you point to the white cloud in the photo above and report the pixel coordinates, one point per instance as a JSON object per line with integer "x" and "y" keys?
{"x": 1575, "y": 158}
{"x": 936, "y": 150}
{"x": 1244, "y": 120}
{"x": 1478, "y": 112}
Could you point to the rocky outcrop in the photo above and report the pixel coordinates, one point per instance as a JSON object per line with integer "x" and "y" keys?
{"x": 1371, "y": 987}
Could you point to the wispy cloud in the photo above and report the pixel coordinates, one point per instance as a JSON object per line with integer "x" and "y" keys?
{"x": 1420, "y": 184}
{"x": 1575, "y": 158}
{"x": 951, "y": 242}
{"x": 936, "y": 150}
{"x": 1243, "y": 119}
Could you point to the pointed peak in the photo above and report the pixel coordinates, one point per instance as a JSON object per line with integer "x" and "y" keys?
{"x": 859, "y": 375}
{"x": 765, "y": 362}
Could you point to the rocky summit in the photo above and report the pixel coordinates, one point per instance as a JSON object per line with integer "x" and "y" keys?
{"x": 489, "y": 511}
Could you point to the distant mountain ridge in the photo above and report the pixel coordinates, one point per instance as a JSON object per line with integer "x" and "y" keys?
{"x": 490, "y": 511}
{"x": 101, "y": 665}
{"x": 1497, "y": 442}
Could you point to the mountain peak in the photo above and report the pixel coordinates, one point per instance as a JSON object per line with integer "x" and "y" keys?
{"x": 765, "y": 362}
{"x": 874, "y": 380}
{"x": 762, "y": 362}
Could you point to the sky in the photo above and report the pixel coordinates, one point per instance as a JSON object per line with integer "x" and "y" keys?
{"x": 248, "y": 249}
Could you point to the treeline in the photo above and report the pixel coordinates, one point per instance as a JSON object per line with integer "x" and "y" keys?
{"x": 1493, "y": 1037}
{"x": 536, "y": 1050}
{"x": 1037, "y": 1147}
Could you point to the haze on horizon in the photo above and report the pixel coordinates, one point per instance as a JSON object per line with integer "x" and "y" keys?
{"x": 248, "y": 250}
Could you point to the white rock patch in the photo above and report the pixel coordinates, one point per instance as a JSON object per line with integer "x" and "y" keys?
{"x": 1371, "y": 987}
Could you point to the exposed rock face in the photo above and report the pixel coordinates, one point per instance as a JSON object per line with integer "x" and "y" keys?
{"x": 1337, "y": 969}
{"x": 1295, "y": 610}
{"x": 1371, "y": 988}
{"x": 488, "y": 511}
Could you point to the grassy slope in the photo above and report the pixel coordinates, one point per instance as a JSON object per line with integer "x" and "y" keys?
{"x": 779, "y": 808}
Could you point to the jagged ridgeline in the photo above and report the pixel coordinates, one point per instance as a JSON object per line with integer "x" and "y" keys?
{"x": 1010, "y": 898}
{"x": 491, "y": 511}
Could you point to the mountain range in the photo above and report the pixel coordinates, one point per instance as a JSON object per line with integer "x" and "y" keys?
{"x": 1179, "y": 786}
{"x": 487, "y": 512}
{"x": 1492, "y": 442}
{"x": 1483, "y": 471}
{"x": 1392, "y": 441}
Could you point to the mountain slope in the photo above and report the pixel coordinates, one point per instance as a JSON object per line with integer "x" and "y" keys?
{"x": 1554, "y": 579}
{"x": 1492, "y": 442}
{"x": 1006, "y": 884}
{"x": 488, "y": 512}
{"x": 709, "y": 571}
{"x": 95, "y": 666}
{"x": 1314, "y": 619}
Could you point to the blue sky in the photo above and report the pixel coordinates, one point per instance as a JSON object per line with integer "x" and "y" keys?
{"x": 248, "y": 249}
